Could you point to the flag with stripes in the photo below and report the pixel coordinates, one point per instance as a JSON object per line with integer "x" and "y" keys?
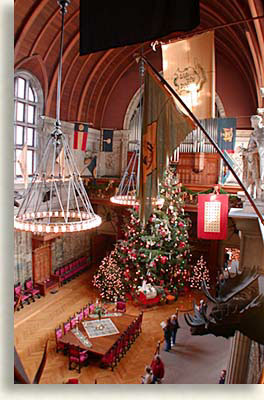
{"x": 80, "y": 136}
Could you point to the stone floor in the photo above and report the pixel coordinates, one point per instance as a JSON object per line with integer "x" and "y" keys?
{"x": 195, "y": 359}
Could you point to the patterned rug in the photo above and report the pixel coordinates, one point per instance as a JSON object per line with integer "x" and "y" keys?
{"x": 99, "y": 328}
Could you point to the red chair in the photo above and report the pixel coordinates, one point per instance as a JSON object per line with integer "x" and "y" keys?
{"x": 66, "y": 327}
{"x": 126, "y": 341}
{"x": 62, "y": 275}
{"x": 30, "y": 289}
{"x": 67, "y": 273}
{"x": 73, "y": 322}
{"x": 80, "y": 315}
{"x": 72, "y": 381}
{"x": 18, "y": 292}
{"x": 91, "y": 308}
{"x": 57, "y": 273}
{"x": 121, "y": 306}
{"x": 109, "y": 359}
{"x": 86, "y": 311}
{"x": 77, "y": 358}
{"x": 59, "y": 345}
{"x": 120, "y": 350}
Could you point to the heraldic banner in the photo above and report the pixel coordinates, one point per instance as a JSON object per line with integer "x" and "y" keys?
{"x": 189, "y": 67}
{"x": 212, "y": 216}
{"x": 164, "y": 128}
{"x": 107, "y": 144}
{"x": 226, "y": 134}
{"x": 80, "y": 136}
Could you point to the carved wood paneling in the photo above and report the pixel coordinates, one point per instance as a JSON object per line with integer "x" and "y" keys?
{"x": 41, "y": 257}
{"x": 208, "y": 171}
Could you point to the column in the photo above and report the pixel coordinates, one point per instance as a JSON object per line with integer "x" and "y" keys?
{"x": 238, "y": 362}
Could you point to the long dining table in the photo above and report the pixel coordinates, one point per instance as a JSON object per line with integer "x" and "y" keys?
{"x": 99, "y": 345}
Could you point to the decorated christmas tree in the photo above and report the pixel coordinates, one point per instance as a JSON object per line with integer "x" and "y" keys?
{"x": 109, "y": 279}
{"x": 200, "y": 272}
{"x": 159, "y": 252}
{"x": 167, "y": 238}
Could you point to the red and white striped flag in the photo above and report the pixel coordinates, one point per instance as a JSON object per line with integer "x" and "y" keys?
{"x": 80, "y": 136}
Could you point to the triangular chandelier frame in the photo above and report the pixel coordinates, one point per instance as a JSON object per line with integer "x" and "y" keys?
{"x": 56, "y": 200}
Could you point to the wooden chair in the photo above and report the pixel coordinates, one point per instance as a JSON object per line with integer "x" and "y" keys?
{"x": 31, "y": 289}
{"x": 66, "y": 327}
{"x": 18, "y": 292}
{"x": 59, "y": 345}
{"x": 77, "y": 358}
{"x": 121, "y": 306}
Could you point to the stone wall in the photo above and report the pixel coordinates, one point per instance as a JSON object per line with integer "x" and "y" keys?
{"x": 70, "y": 247}
{"x": 22, "y": 256}
{"x": 65, "y": 249}
{"x": 255, "y": 364}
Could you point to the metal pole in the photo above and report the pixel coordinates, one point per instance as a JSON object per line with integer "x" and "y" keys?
{"x": 213, "y": 28}
{"x": 219, "y": 151}
{"x": 63, "y": 9}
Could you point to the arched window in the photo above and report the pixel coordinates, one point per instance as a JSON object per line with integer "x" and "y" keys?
{"x": 28, "y": 107}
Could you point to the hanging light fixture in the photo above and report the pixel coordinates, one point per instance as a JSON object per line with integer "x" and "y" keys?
{"x": 56, "y": 200}
{"x": 126, "y": 193}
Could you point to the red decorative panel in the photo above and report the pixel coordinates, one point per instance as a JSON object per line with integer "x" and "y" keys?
{"x": 212, "y": 216}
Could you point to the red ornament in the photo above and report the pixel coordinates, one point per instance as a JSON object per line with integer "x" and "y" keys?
{"x": 182, "y": 244}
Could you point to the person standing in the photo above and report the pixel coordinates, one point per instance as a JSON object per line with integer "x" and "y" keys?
{"x": 148, "y": 377}
{"x": 157, "y": 367}
{"x": 167, "y": 334}
{"x": 222, "y": 377}
{"x": 175, "y": 326}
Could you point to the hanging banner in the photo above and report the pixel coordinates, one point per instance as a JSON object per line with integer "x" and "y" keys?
{"x": 212, "y": 216}
{"x": 80, "y": 136}
{"x": 224, "y": 170}
{"x": 164, "y": 128}
{"x": 226, "y": 134}
{"x": 107, "y": 144}
{"x": 189, "y": 67}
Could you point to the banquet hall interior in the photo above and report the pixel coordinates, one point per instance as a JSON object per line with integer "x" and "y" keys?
{"x": 132, "y": 209}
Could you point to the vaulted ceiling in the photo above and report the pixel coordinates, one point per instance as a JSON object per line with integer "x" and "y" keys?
{"x": 98, "y": 88}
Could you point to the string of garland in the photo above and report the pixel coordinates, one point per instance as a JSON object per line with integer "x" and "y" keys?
{"x": 109, "y": 186}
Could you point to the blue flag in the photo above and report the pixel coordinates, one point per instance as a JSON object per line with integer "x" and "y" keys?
{"x": 225, "y": 172}
{"x": 107, "y": 140}
{"x": 226, "y": 134}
